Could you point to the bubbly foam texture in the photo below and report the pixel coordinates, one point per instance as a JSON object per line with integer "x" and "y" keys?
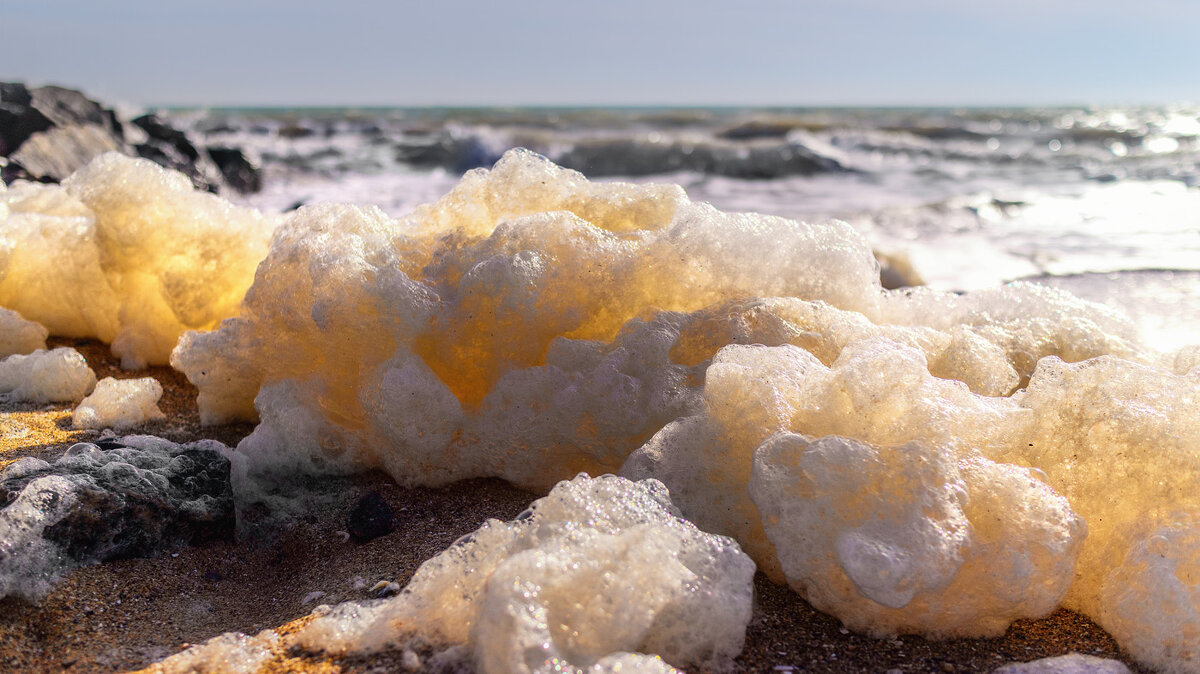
{"x": 58, "y": 375}
{"x": 531, "y": 324}
{"x": 597, "y": 571}
{"x": 119, "y": 404}
{"x": 19, "y": 336}
{"x": 1071, "y": 663}
{"x": 128, "y": 253}
{"x": 230, "y": 653}
{"x": 906, "y": 539}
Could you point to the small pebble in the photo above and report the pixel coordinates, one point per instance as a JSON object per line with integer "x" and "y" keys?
{"x": 370, "y": 518}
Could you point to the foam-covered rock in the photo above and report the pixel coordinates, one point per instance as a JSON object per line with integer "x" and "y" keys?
{"x": 119, "y": 404}
{"x": 58, "y": 375}
{"x": 19, "y": 336}
{"x": 589, "y": 576}
{"x": 93, "y": 505}
{"x": 128, "y": 253}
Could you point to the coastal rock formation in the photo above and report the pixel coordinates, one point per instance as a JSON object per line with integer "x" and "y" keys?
{"x": 47, "y": 133}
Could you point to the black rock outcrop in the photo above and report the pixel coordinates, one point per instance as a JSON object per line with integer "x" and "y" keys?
{"x": 47, "y": 133}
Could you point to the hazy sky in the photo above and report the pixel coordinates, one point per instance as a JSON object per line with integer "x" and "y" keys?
{"x": 852, "y": 52}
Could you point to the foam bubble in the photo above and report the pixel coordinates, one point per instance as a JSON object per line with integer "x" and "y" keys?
{"x": 58, "y": 375}
{"x": 119, "y": 404}
{"x": 93, "y": 505}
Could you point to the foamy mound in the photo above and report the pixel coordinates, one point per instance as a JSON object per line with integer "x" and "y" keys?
{"x": 58, "y": 375}
{"x": 596, "y": 572}
{"x": 126, "y": 252}
{"x": 907, "y": 539}
{"x": 531, "y": 325}
{"x": 229, "y": 653}
{"x": 19, "y": 336}
{"x": 119, "y": 404}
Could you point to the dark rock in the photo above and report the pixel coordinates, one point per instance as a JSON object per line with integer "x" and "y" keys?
{"x": 239, "y": 172}
{"x": 67, "y": 107}
{"x": 167, "y": 146}
{"x": 49, "y": 132}
{"x": 57, "y": 152}
{"x": 370, "y": 518}
{"x": 95, "y": 505}
{"x": 159, "y": 130}
{"x": 18, "y": 118}
{"x": 294, "y": 131}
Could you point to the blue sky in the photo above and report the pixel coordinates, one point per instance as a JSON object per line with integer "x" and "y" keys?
{"x": 464, "y": 52}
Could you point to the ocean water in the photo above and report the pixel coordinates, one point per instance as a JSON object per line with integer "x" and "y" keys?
{"x": 1102, "y": 201}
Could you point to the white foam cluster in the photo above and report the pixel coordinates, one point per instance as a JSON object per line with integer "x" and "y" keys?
{"x": 119, "y": 404}
{"x": 532, "y": 324}
{"x": 58, "y": 375}
{"x": 1071, "y": 663}
{"x": 593, "y": 575}
{"x": 229, "y": 653}
{"x": 907, "y": 539}
{"x": 19, "y": 336}
{"x": 126, "y": 252}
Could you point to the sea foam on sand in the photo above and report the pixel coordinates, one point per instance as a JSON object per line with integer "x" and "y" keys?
{"x": 58, "y": 375}
{"x": 909, "y": 460}
{"x": 126, "y": 252}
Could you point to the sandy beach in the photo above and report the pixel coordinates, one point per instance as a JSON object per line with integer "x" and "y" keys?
{"x": 128, "y": 614}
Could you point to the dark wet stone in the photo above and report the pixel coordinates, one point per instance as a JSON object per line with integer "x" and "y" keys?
{"x": 158, "y": 130}
{"x": 370, "y": 518}
{"x": 49, "y": 132}
{"x": 167, "y": 146}
{"x": 238, "y": 171}
{"x": 67, "y": 107}
{"x": 18, "y": 118}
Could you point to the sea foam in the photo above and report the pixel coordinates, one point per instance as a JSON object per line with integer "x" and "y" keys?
{"x": 58, "y": 375}
{"x": 126, "y": 252}
{"x": 531, "y": 325}
{"x": 601, "y": 575}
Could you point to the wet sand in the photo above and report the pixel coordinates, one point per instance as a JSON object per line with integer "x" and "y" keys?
{"x": 128, "y": 614}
